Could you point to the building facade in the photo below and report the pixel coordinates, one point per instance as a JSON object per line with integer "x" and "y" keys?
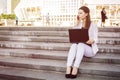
{"x": 112, "y": 11}
{"x": 3, "y": 6}
{"x": 60, "y": 11}
{"x": 64, "y": 12}
{"x": 14, "y": 3}
{"x": 8, "y": 6}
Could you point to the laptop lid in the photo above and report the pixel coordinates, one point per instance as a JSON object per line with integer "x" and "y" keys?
{"x": 78, "y": 35}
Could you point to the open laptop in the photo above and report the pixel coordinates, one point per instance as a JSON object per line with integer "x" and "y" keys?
{"x": 78, "y": 35}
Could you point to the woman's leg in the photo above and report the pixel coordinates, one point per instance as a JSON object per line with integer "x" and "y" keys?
{"x": 88, "y": 51}
{"x": 79, "y": 54}
{"x": 82, "y": 49}
{"x": 71, "y": 56}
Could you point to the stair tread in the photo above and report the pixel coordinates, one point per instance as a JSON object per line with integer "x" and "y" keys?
{"x": 40, "y": 28}
{"x": 34, "y": 33}
{"x": 49, "y": 37}
{"x": 47, "y": 75}
{"x": 56, "y": 39}
{"x": 54, "y": 44}
{"x": 36, "y": 52}
{"x": 58, "y": 63}
{"x": 34, "y": 43}
{"x": 55, "y": 28}
{"x": 54, "y": 33}
{"x": 41, "y": 37}
{"x": 25, "y": 52}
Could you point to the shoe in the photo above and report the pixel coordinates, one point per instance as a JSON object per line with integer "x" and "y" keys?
{"x": 68, "y": 75}
{"x": 75, "y": 75}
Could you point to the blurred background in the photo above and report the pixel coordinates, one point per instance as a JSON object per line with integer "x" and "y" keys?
{"x": 56, "y": 12}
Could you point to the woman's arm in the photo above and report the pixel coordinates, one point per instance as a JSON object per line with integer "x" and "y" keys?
{"x": 90, "y": 41}
{"x": 93, "y": 37}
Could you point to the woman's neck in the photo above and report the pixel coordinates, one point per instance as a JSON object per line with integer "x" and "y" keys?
{"x": 83, "y": 23}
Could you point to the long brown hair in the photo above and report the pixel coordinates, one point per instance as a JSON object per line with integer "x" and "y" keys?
{"x": 88, "y": 20}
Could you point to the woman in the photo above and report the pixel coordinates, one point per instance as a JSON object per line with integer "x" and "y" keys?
{"x": 103, "y": 17}
{"x": 78, "y": 50}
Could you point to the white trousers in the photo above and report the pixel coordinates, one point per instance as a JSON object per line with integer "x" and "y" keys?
{"x": 76, "y": 53}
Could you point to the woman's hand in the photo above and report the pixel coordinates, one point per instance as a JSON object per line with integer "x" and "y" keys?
{"x": 90, "y": 41}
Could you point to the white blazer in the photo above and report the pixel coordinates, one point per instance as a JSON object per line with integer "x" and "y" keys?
{"x": 93, "y": 34}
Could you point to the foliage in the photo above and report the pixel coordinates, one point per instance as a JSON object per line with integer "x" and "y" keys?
{"x": 7, "y": 16}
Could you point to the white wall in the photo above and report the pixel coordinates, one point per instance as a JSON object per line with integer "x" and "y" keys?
{"x": 3, "y": 6}
{"x": 102, "y": 1}
{"x": 8, "y": 6}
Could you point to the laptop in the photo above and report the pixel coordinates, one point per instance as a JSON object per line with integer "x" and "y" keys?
{"x": 78, "y": 35}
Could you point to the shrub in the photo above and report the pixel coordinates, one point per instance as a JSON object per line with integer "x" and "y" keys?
{"x": 7, "y": 16}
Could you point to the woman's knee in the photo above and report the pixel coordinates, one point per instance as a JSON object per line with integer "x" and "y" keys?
{"x": 80, "y": 45}
{"x": 89, "y": 55}
{"x": 73, "y": 45}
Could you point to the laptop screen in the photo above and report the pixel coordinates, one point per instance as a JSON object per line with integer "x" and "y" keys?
{"x": 78, "y": 35}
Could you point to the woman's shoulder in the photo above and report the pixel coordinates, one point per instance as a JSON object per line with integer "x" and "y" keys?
{"x": 93, "y": 24}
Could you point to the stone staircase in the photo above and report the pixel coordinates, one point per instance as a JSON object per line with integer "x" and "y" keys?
{"x": 40, "y": 53}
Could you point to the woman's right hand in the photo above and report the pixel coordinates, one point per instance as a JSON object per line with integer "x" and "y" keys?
{"x": 90, "y": 41}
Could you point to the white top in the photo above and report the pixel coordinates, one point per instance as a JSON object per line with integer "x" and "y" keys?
{"x": 93, "y": 34}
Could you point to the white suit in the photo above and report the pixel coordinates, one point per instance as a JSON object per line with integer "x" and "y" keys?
{"x": 77, "y": 51}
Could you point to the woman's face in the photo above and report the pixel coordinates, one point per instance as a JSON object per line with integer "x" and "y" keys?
{"x": 82, "y": 15}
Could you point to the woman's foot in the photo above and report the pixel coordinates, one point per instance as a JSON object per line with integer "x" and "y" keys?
{"x": 68, "y": 72}
{"x": 74, "y": 72}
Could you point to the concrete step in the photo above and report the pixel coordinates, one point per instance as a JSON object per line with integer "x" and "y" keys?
{"x": 35, "y": 38}
{"x": 109, "y": 29}
{"x": 54, "y": 33}
{"x": 58, "y": 55}
{"x": 103, "y": 69}
{"x": 10, "y": 73}
{"x": 109, "y": 34}
{"x": 34, "y": 28}
{"x": 113, "y": 41}
{"x": 54, "y": 46}
{"x": 35, "y": 33}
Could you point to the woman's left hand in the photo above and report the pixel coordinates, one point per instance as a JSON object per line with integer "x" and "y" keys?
{"x": 90, "y": 41}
